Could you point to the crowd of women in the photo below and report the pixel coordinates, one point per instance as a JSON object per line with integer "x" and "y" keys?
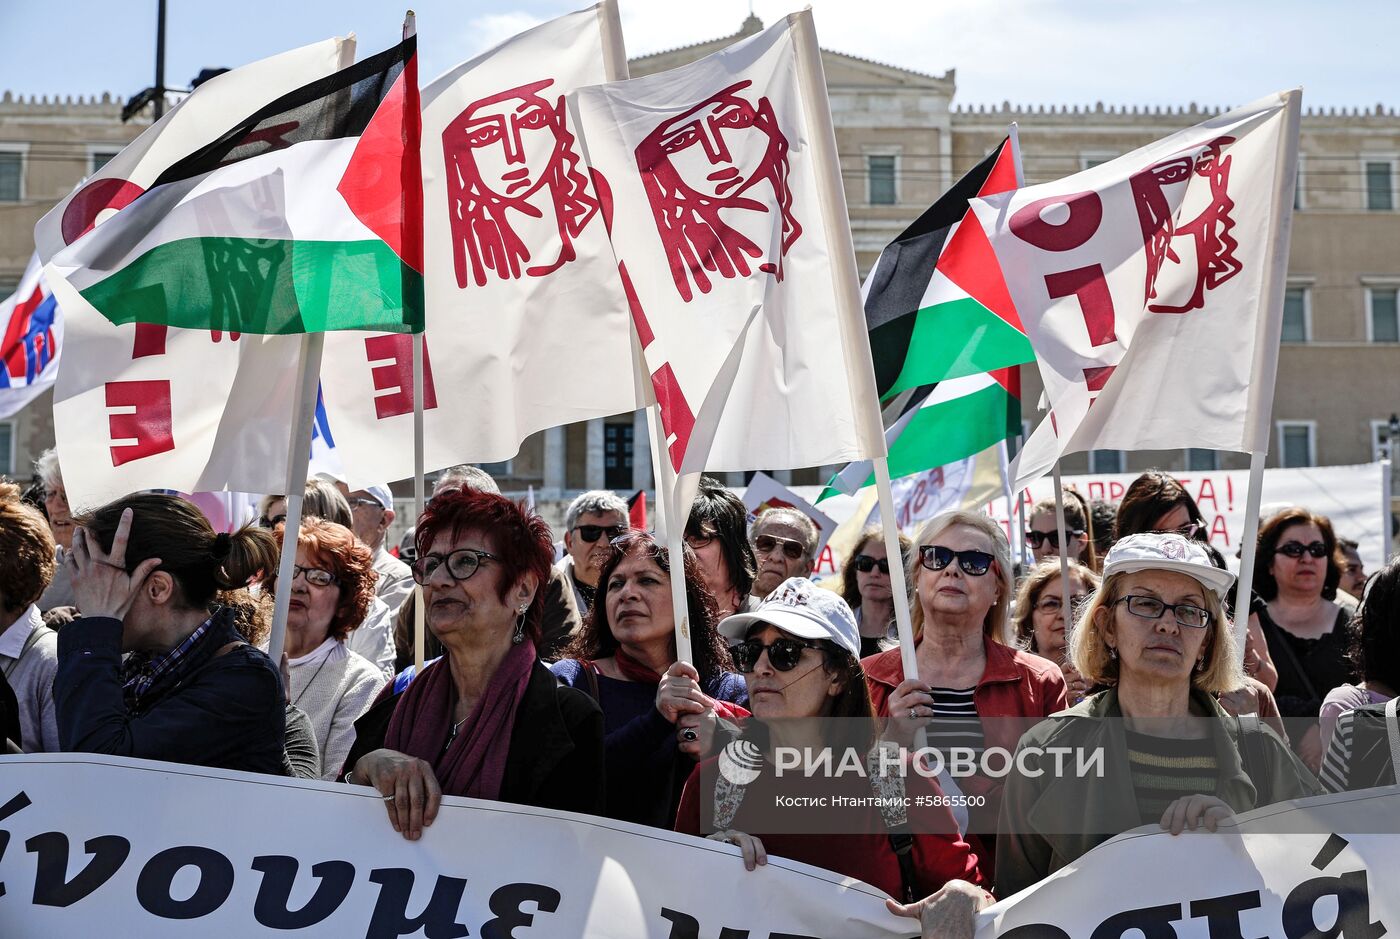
{"x": 150, "y": 645}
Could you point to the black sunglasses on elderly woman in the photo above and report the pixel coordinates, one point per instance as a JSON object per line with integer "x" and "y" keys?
{"x": 935, "y": 557}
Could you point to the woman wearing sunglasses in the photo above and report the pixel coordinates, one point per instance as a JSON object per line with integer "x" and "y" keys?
{"x": 487, "y": 720}
{"x": 797, "y": 652}
{"x": 332, "y": 587}
{"x": 865, "y": 586}
{"x": 972, "y": 690}
{"x": 1043, "y": 619}
{"x": 1044, "y": 536}
{"x": 1296, "y": 570}
{"x": 659, "y": 715}
{"x": 1155, "y": 634}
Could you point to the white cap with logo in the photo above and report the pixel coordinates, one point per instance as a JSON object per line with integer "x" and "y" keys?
{"x": 801, "y": 608}
{"x": 1167, "y": 551}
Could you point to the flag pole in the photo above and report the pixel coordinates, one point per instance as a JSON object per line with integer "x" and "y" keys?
{"x": 1387, "y": 486}
{"x": 899, "y": 585}
{"x": 410, "y": 28}
{"x": 1064, "y": 544}
{"x": 1249, "y": 542}
{"x": 1003, "y": 458}
{"x": 298, "y": 460}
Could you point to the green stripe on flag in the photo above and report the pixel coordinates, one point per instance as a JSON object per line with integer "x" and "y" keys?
{"x": 264, "y": 286}
{"x": 956, "y": 339}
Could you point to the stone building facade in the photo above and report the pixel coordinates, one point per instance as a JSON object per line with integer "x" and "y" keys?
{"x": 903, "y": 139}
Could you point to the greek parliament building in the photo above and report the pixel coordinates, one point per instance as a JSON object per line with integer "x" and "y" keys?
{"x": 903, "y": 139}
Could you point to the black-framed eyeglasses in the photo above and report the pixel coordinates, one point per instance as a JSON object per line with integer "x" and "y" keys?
{"x": 783, "y": 654}
{"x": 265, "y": 522}
{"x": 1038, "y": 538}
{"x": 460, "y": 564}
{"x": 591, "y": 533}
{"x": 935, "y": 557}
{"x": 1054, "y": 605}
{"x": 1186, "y": 614}
{"x": 865, "y": 564}
{"x": 700, "y": 539}
{"x": 315, "y": 576}
{"x": 1296, "y": 549}
{"x": 792, "y": 550}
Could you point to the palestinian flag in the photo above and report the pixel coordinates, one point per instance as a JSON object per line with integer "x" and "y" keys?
{"x": 935, "y": 303}
{"x": 304, "y": 216}
{"x": 944, "y": 336}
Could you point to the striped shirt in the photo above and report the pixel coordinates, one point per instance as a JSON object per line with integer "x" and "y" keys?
{"x": 1166, "y": 768}
{"x": 1336, "y": 763}
{"x": 955, "y": 722}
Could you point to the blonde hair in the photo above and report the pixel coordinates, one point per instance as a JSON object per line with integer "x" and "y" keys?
{"x": 995, "y": 623}
{"x": 1088, "y": 650}
{"x": 1046, "y": 572}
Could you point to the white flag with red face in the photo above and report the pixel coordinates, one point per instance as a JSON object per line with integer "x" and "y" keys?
{"x": 1151, "y": 287}
{"x": 731, "y": 230}
{"x": 526, "y": 321}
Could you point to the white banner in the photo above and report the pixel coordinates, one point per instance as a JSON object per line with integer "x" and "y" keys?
{"x": 1259, "y": 876}
{"x": 102, "y": 846}
{"x": 527, "y": 324}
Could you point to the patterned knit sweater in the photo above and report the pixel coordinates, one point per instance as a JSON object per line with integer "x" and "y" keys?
{"x": 334, "y": 686}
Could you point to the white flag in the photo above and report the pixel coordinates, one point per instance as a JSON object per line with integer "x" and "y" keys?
{"x": 143, "y": 406}
{"x": 730, "y": 225}
{"x": 1151, "y": 287}
{"x": 31, "y": 341}
{"x": 527, "y": 324}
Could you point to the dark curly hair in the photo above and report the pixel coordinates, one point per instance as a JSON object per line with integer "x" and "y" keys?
{"x": 524, "y": 543}
{"x": 1376, "y": 648}
{"x": 1271, "y": 533}
{"x": 595, "y": 640}
{"x": 335, "y": 548}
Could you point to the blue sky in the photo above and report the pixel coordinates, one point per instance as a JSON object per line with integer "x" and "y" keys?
{"x": 1214, "y": 52}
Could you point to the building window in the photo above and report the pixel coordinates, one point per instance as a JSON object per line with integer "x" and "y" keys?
{"x": 1382, "y": 308}
{"x": 1380, "y": 191}
{"x": 496, "y": 470}
{"x": 1298, "y": 187}
{"x": 7, "y": 448}
{"x": 1106, "y": 461}
{"x": 1295, "y": 314}
{"x": 881, "y": 171}
{"x": 1297, "y": 445}
{"x": 11, "y": 177}
{"x": 617, "y": 456}
{"x": 1202, "y": 461}
{"x": 99, "y": 159}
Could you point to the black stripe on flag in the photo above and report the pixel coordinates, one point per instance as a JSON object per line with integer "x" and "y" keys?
{"x": 330, "y": 108}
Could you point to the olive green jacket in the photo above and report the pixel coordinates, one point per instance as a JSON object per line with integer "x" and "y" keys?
{"x": 1048, "y": 821}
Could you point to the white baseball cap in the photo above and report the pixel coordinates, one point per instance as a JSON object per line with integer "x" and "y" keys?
{"x": 380, "y": 493}
{"x": 803, "y": 609}
{"x": 1167, "y": 551}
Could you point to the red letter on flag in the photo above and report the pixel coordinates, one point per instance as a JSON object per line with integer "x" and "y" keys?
{"x": 149, "y": 425}
{"x": 396, "y": 351}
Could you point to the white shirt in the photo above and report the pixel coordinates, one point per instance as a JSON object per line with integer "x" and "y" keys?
{"x": 374, "y": 638}
{"x": 31, "y": 677}
{"x": 395, "y": 581}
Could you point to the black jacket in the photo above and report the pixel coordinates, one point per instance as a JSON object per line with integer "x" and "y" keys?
{"x": 555, "y": 760}
{"x": 228, "y": 713}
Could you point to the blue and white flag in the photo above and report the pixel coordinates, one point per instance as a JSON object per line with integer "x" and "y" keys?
{"x": 33, "y": 336}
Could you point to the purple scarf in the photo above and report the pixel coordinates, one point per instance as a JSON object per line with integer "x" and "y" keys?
{"x": 475, "y": 761}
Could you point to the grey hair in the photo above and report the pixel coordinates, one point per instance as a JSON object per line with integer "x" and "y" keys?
{"x": 798, "y": 519}
{"x": 322, "y": 499}
{"x": 47, "y": 468}
{"x": 466, "y": 476}
{"x": 594, "y": 502}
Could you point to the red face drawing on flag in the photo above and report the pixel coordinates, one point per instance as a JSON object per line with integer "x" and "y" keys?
{"x": 715, "y": 177}
{"x": 517, "y": 197}
{"x": 1201, "y": 248}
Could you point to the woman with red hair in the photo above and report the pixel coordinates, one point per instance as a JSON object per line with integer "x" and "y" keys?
{"x": 487, "y": 720}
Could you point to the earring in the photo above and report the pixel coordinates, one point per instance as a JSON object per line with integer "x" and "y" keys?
{"x": 1200, "y": 666}
{"x": 519, "y": 636}
{"x": 1113, "y": 653}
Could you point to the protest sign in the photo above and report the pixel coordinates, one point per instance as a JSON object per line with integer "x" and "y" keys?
{"x": 105, "y": 846}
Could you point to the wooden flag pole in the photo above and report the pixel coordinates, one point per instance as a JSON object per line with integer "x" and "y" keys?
{"x": 1249, "y": 542}
{"x": 298, "y": 460}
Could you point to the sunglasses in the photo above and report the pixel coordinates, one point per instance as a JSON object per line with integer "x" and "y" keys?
{"x": 366, "y": 502}
{"x": 1189, "y": 529}
{"x": 1038, "y": 538}
{"x": 265, "y": 522}
{"x": 314, "y": 575}
{"x": 792, "y": 550}
{"x": 935, "y": 557}
{"x": 783, "y": 654}
{"x": 1295, "y": 549}
{"x": 591, "y": 533}
{"x": 865, "y": 564}
{"x": 460, "y": 564}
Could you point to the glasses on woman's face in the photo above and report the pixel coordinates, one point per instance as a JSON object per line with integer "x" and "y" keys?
{"x": 783, "y": 654}
{"x": 1151, "y": 608}
{"x": 865, "y": 564}
{"x": 460, "y": 564}
{"x": 1054, "y": 606}
{"x": 1038, "y": 538}
{"x": 700, "y": 539}
{"x": 1188, "y": 530}
{"x": 273, "y": 522}
{"x": 1296, "y": 549}
{"x": 314, "y": 575}
{"x": 935, "y": 557}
